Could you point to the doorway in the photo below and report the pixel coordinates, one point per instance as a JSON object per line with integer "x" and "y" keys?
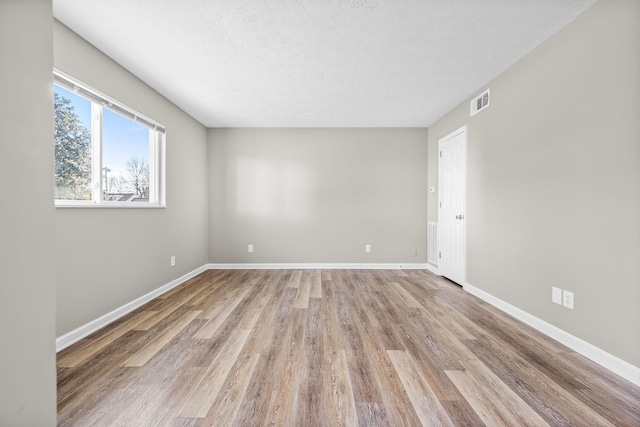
{"x": 452, "y": 192}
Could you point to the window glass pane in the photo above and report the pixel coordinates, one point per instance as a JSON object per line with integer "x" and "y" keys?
{"x": 125, "y": 159}
{"x": 105, "y": 153}
{"x": 72, "y": 136}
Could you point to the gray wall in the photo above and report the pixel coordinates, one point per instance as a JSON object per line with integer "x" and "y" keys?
{"x": 317, "y": 195}
{"x": 109, "y": 257}
{"x": 554, "y": 180}
{"x": 27, "y": 263}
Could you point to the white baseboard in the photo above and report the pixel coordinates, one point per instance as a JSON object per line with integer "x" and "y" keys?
{"x": 616, "y": 365}
{"x": 433, "y": 268}
{"x": 85, "y": 330}
{"x": 318, "y": 266}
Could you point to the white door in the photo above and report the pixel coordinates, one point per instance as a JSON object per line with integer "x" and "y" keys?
{"x": 452, "y": 182}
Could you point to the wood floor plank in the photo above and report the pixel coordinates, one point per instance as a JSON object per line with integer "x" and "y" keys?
{"x": 213, "y": 379}
{"x": 519, "y": 338}
{"x": 339, "y": 406}
{"x": 203, "y": 279}
{"x": 380, "y": 314}
{"x": 165, "y": 310}
{"x": 461, "y": 413}
{"x": 220, "y": 299}
{"x": 476, "y": 399}
{"x": 304, "y": 291}
{"x": 225, "y": 408}
{"x": 141, "y": 357}
{"x": 180, "y": 391}
{"x": 409, "y": 301}
{"x": 270, "y": 389}
{"x": 309, "y": 397}
{"x": 547, "y": 397}
{"x": 281, "y": 408}
{"x": 371, "y": 414}
{"x": 460, "y": 326}
{"x": 255, "y": 406}
{"x": 316, "y": 284}
{"x": 424, "y": 400}
{"x": 431, "y": 352}
{"x": 363, "y": 382}
{"x": 330, "y": 348}
{"x": 219, "y": 314}
{"x": 333, "y": 335}
{"x": 102, "y": 373}
{"x": 102, "y": 412}
{"x": 203, "y": 300}
{"x": 272, "y": 327}
{"x": 618, "y": 404}
{"x": 492, "y": 399}
{"x": 207, "y": 389}
{"x": 294, "y": 281}
{"x": 89, "y": 347}
{"x": 141, "y": 402}
{"x": 445, "y": 347}
{"x": 399, "y": 408}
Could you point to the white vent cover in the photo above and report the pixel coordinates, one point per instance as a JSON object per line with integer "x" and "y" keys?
{"x": 480, "y": 103}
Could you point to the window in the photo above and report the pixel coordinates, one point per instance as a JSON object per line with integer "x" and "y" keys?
{"x": 106, "y": 154}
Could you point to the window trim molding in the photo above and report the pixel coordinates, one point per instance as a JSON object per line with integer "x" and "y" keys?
{"x": 70, "y": 83}
{"x": 157, "y": 140}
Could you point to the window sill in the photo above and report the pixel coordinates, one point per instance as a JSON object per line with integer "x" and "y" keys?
{"x": 108, "y": 206}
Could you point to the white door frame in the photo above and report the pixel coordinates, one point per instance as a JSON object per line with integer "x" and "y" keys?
{"x": 457, "y": 132}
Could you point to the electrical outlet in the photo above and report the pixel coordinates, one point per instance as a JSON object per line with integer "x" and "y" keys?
{"x": 173, "y": 261}
{"x": 367, "y": 248}
{"x": 556, "y": 295}
{"x": 414, "y": 252}
{"x": 249, "y": 248}
{"x": 567, "y": 299}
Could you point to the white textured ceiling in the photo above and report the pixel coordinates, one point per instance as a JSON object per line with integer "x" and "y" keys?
{"x": 316, "y": 63}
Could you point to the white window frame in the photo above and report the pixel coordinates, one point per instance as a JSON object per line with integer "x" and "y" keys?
{"x": 156, "y": 148}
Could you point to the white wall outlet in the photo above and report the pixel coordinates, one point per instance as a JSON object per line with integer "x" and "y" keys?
{"x": 414, "y": 252}
{"x": 567, "y": 299}
{"x": 173, "y": 261}
{"x": 249, "y": 248}
{"x": 367, "y": 248}
{"x": 556, "y": 295}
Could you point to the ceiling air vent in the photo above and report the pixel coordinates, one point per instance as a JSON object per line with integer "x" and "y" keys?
{"x": 480, "y": 103}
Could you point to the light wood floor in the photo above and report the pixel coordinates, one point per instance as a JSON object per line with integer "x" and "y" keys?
{"x": 331, "y": 347}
